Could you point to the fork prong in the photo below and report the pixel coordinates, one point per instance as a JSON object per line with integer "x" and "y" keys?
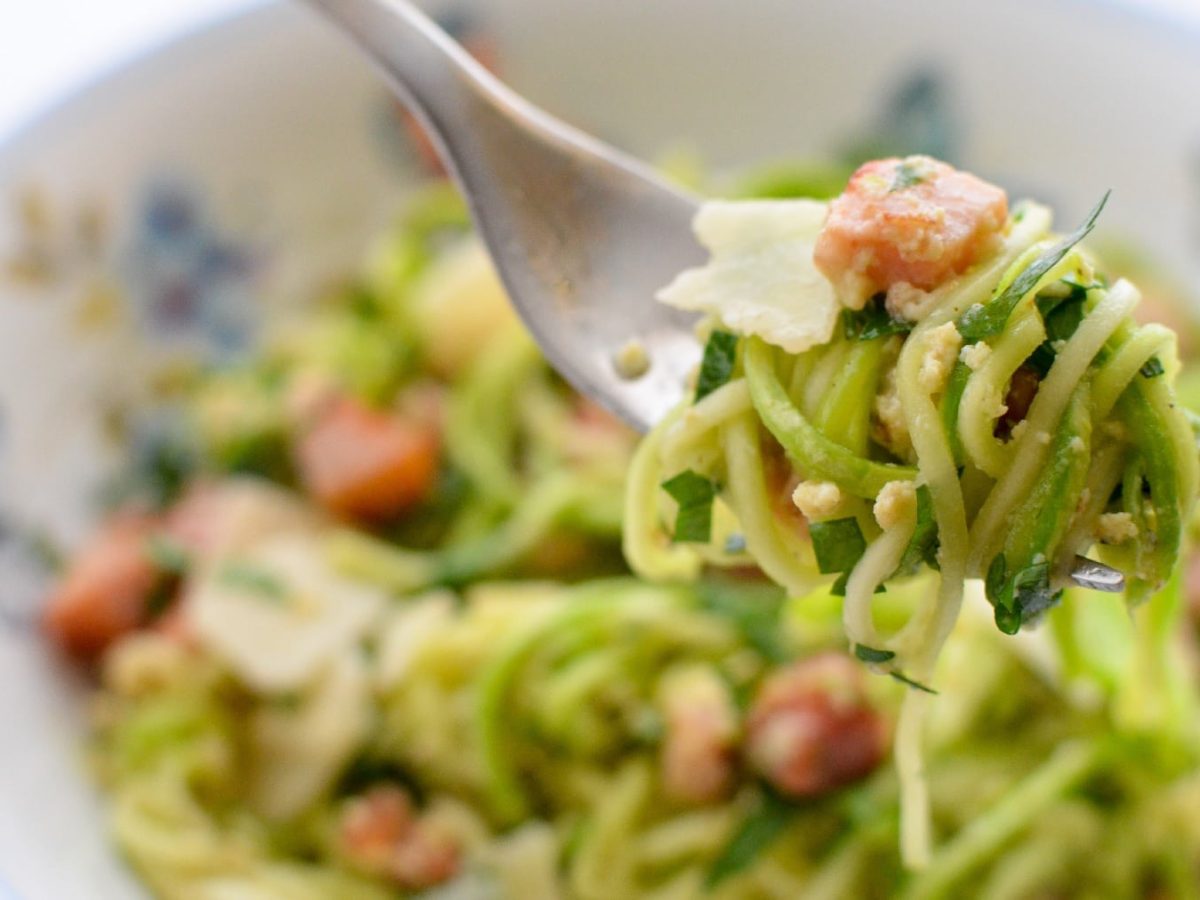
{"x": 1096, "y": 576}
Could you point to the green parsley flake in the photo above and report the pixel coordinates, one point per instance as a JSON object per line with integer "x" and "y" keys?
{"x": 252, "y": 579}
{"x": 871, "y": 655}
{"x": 167, "y": 555}
{"x": 872, "y": 321}
{"x": 760, "y": 829}
{"x": 838, "y": 544}
{"x": 1153, "y": 368}
{"x": 985, "y": 320}
{"x": 916, "y": 685}
{"x": 695, "y": 494}
{"x": 720, "y": 354}
{"x": 907, "y": 175}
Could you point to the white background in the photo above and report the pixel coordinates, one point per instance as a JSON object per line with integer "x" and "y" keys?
{"x": 50, "y": 48}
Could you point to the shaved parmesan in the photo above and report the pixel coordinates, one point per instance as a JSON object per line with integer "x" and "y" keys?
{"x": 760, "y": 279}
{"x": 276, "y": 613}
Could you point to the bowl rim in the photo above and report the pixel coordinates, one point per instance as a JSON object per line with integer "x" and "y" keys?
{"x": 110, "y": 75}
{"x": 1166, "y": 23}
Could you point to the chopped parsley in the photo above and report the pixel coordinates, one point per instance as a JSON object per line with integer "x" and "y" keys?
{"x": 871, "y": 655}
{"x": 838, "y": 545}
{"x": 923, "y": 545}
{"x": 760, "y": 829}
{"x": 720, "y": 354}
{"x": 872, "y": 321}
{"x": 1061, "y": 314}
{"x": 252, "y": 579}
{"x": 916, "y": 685}
{"x": 695, "y": 494}
{"x": 988, "y": 319}
{"x": 997, "y": 575}
{"x": 907, "y": 175}
{"x": 1020, "y": 596}
{"x": 167, "y": 555}
{"x": 1153, "y": 368}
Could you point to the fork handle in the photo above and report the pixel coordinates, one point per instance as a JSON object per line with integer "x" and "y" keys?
{"x": 582, "y": 235}
{"x": 451, "y": 93}
{"x": 437, "y": 79}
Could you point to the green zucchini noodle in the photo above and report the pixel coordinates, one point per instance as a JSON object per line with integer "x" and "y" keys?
{"x": 647, "y": 546}
{"x": 779, "y": 553}
{"x": 985, "y": 391}
{"x": 878, "y": 563}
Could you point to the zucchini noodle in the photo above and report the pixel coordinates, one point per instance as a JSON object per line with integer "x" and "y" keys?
{"x": 984, "y": 393}
{"x": 1111, "y": 381}
{"x": 823, "y": 457}
{"x": 696, "y": 422}
{"x": 1031, "y": 447}
{"x": 480, "y": 428}
{"x": 878, "y": 563}
{"x": 646, "y": 544}
{"x": 780, "y": 554}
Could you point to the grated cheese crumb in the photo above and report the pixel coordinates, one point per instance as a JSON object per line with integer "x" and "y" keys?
{"x": 1116, "y": 528}
{"x": 889, "y": 428}
{"x": 974, "y": 355}
{"x": 817, "y": 499}
{"x": 941, "y": 350}
{"x": 904, "y": 301}
{"x": 993, "y": 402}
{"x": 897, "y": 502}
{"x": 1077, "y": 445}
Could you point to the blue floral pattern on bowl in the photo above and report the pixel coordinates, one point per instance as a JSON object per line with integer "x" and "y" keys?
{"x": 186, "y": 280}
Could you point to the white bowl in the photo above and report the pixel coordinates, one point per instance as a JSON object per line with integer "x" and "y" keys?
{"x": 239, "y": 168}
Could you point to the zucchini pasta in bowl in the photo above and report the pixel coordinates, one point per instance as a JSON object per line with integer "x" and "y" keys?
{"x": 376, "y": 607}
{"x": 363, "y": 627}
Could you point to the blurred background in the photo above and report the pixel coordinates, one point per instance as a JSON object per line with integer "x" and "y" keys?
{"x": 52, "y": 47}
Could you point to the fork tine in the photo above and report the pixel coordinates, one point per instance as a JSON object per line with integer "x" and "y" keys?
{"x": 1096, "y": 576}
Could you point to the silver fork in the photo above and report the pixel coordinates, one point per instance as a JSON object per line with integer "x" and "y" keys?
{"x": 581, "y": 234}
